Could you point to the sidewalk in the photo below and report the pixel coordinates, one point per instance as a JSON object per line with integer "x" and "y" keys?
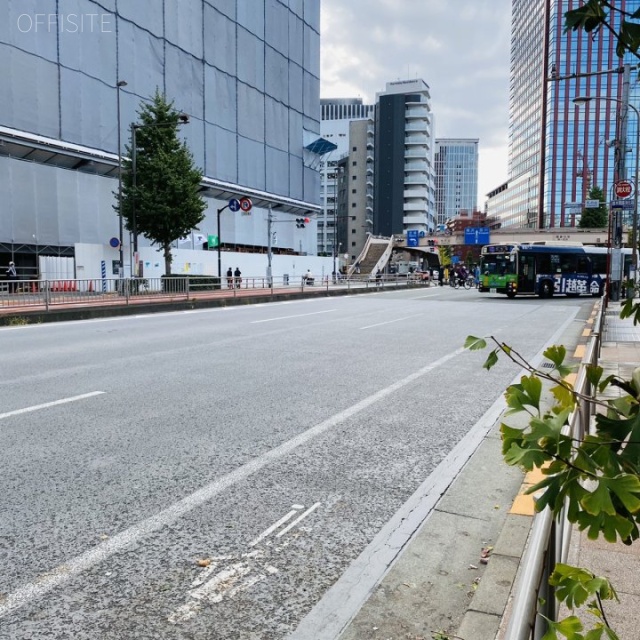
{"x": 440, "y": 587}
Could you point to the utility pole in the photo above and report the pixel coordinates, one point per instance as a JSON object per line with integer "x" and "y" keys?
{"x": 269, "y": 227}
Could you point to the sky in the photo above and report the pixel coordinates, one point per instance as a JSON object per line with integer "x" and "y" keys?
{"x": 460, "y": 48}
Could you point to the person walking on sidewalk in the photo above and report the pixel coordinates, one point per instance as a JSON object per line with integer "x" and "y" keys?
{"x": 238, "y": 280}
{"x": 12, "y": 275}
{"x": 229, "y": 278}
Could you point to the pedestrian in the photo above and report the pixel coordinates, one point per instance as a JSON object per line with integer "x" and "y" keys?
{"x": 441, "y": 276}
{"x": 12, "y": 275}
{"x": 476, "y": 275}
{"x": 308, "y": 277}
{"x": 238, "y": 280}
{"x": 229, "y": 278}
{"x": 378, "y": 277}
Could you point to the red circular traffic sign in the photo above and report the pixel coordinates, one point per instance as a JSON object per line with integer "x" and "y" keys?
{"x": 246, "y": 204}
{"x": 623, "y": 189}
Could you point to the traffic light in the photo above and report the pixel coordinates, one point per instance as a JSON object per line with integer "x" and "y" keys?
{"x": 300, "y": 222}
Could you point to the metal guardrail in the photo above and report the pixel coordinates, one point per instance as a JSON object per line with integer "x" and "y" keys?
{"x": 550, "y": 537}
{"x": 49, "y": 294}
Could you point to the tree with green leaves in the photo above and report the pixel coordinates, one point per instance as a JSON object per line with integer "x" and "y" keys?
{"x": 162, "y": 200}
{"x": 595, "y": 218}
{"x": 595, "y": 15}
{"x": 596, "y": 477}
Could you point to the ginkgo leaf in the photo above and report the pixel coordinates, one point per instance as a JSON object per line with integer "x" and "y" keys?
{"x": 475, "y": 344}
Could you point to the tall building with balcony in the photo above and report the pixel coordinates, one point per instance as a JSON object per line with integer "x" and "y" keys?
{"x": 246, "y": 73}
{"x": 456, "y": 168}
{"x": 558, "y": 149}
{"x": 404, "y": 190}
{"x": 340, "y": 121}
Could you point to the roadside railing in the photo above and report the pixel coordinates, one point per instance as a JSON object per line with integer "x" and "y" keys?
{"x": 48, "y": 294}
{"x": 550, "y": 537}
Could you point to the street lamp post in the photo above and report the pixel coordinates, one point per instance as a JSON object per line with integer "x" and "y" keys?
{"x": 119, "y": 85}
{"x": 634, "y": 224}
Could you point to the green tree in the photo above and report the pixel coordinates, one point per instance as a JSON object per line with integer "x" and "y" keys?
{"x": 595, "y": 15}
{"x": 444, "y": 254}
{"x": 165, "y": 201}
{"x": 595, "y": 218}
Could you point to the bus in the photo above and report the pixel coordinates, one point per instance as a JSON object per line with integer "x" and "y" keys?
{"x": 545, "y": 269}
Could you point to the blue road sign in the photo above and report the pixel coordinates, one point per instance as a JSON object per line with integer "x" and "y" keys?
{"x": 234, "y": 204}
{"x": 476, "y": 235}
{"x": 412, "y": 238}
{"x": 622, "y": 204}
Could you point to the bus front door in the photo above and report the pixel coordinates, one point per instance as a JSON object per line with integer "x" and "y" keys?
{"x": 526, "y": 274}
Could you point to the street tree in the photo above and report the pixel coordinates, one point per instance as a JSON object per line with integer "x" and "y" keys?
{"x": 161, "y": 201}
{"x": 595, "y": 218}
{"x": 595, "y": 15}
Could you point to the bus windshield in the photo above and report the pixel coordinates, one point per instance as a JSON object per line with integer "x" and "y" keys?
{"x": 497, "y": 265}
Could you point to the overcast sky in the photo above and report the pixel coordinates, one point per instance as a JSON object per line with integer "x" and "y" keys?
{"x": 460, "y": 48}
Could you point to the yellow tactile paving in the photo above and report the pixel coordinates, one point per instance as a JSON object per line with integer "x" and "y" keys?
{"x": 579, "y": 352}
{"x": 523, "y": 506}
{"x": 586, "y": 333}
{"x": 571, "y": 378}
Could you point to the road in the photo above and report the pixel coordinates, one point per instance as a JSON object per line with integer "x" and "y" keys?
{"x": 210, "y": 474}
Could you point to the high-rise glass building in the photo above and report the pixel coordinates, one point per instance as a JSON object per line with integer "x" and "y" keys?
{"x": 246, "y": 73}
{"x": 558, "y": 150}
{"x": 456, "y": 168}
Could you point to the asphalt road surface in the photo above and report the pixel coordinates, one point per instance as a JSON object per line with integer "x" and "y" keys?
{"x": 211, "y": 474}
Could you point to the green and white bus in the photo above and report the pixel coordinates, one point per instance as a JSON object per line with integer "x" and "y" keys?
{"x": 545, "y": 269}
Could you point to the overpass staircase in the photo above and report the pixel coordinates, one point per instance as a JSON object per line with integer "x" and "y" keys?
{"x": 374, "y": 256}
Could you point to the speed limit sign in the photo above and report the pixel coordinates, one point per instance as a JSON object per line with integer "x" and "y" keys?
{"x": 245, "y": 204}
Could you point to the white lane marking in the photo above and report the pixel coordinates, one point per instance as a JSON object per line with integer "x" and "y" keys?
{"x": 379, "y": 324}
{"x": 301, "y": 517}
{"x": 43, "y": 584}
{"x": 299, "y": 315}
{"x": 273, "y": 527}
{"x": 238, "y": 576}
{"x": 37, "y": 407}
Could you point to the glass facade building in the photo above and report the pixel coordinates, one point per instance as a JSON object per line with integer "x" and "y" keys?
{"x": 246, "y": 73}
{"x": 456, "y": 167}
{"x": 558, "y": 150}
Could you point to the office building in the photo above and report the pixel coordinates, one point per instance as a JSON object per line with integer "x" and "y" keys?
{"x": 404, "y": 191}
{"x": 246, "y": 73}
{"x": 559, "y": 149}
{"x": 456, "y": 180}
{"x": 348, "y": 123}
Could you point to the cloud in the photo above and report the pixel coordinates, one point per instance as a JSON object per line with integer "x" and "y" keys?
{"x": 460, "y": 48}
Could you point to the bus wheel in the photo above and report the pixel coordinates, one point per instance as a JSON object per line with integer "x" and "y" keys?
{"x": 546, "y": 289}
{"x": 511, "y": 294}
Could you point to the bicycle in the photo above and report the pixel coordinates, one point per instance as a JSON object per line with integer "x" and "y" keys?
{"x": 454, "y": 282}
{"x": 470, "y": 282}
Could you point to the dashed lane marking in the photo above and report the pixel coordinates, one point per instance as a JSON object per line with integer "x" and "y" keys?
{"x": 46, "y": 405}
{"x": 299, "y": 315}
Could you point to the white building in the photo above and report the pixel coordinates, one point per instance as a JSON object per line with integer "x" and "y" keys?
{"x": 404, "y": 188}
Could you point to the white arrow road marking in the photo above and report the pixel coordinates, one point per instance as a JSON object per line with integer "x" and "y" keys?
{"x": 238, "y": 576}
{"x": 37, "y": 407}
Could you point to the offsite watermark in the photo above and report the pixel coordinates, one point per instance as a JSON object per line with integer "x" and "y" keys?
{"x": 66, "y": 22}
